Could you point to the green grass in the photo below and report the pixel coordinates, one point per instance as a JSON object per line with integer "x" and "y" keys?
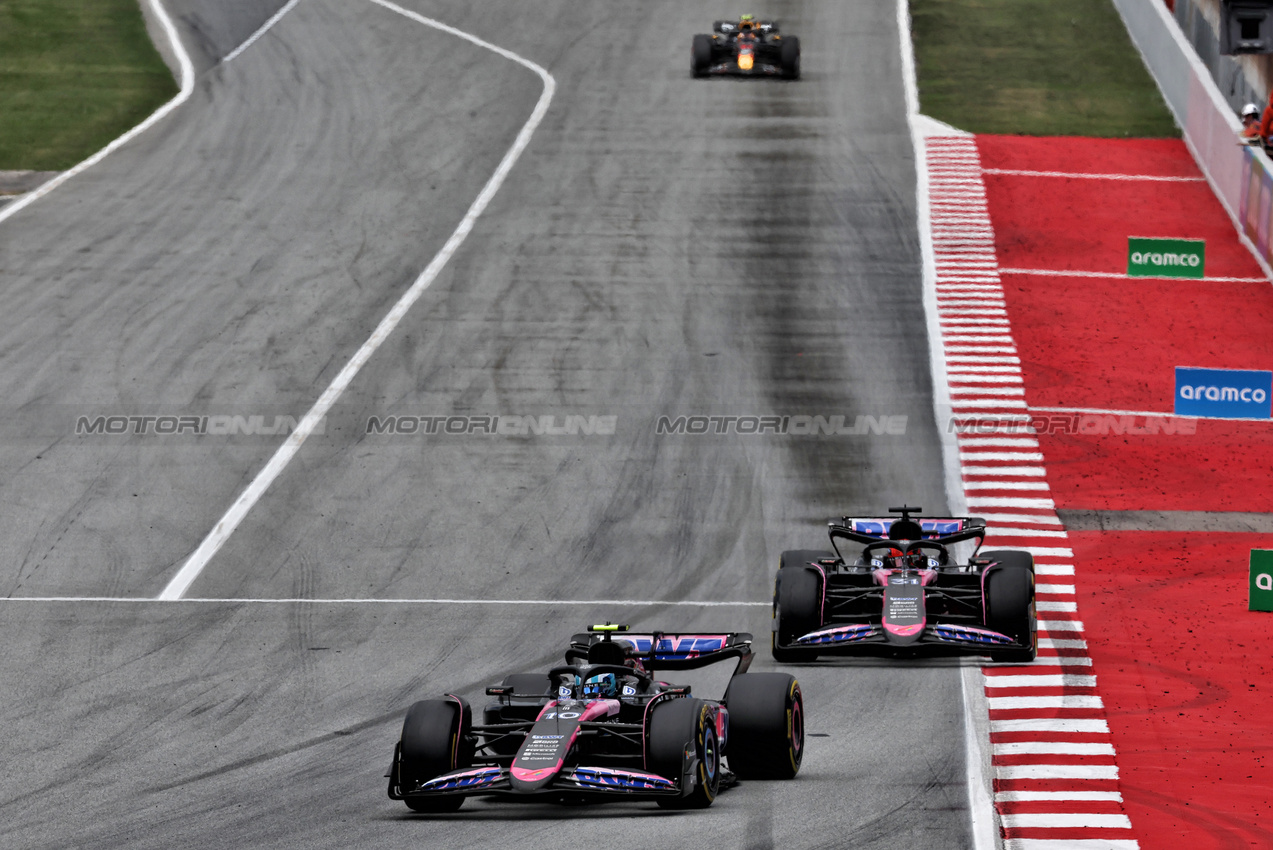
{"x": 1034, "y": 67}
{"x": 74, "y": 74}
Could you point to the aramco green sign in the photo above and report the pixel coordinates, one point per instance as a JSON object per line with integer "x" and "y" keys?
{"x": 1260, "y": 596}
{"x": 1166, "y": 257}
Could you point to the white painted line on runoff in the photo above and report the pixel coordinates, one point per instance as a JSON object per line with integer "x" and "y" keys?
{"x": 1121, "y": 276}
{"x": 380, "y": 601}
{"x": 187, "y": 88}
{"x": 1078, "y": 176}
{"x": 1006, "y": 485}
{"x": 1055, "y": 588}
{"x": 1067, "y": 725}
{"x": 1048, "y": 820}
{"x": 228, "y": 523}
{"x": 1004, "y": 471}
{"x": 1066, "y": 748}
{"x": 1039, "y": 681}
{"x": 265, "y": 27}
{"x": 1044, "y": 796}
{"x": 1061, "y": 661}
{"x": 1057, "y": 771}
{"x": 1167, "y": 414}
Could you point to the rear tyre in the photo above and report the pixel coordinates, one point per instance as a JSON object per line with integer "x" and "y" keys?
{"x": 530, "y": 691}
{"x": 766, "y": 726}
{"x": 700, "y": 55}
{"x": 1010, "y": 604}
{"x": 797, "y": 602}
{"x": 789, "y": 55}
{"x": 675, "y": 726}
{"x": 436, "y": 738}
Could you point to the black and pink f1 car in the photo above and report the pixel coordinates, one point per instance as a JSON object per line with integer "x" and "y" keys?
{"x": 905, "y": 586}
{"x": 602, "y": 726}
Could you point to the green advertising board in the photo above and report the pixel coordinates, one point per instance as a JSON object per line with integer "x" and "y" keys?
{"x": 1260, "y": 596}
{"x": 1166, "y": 257}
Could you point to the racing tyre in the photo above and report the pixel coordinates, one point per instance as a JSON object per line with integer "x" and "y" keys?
{"x": 766, "y": 726}
{"x": 530, "y": 691}
{"x": 1010, "y": 603}
{"x": 700, "y": 55}
{"x": 676, "y": 726}
{"x": 789, "y": 55}
{"x": 797, "y": 602}
{"x": 436, "y": 738}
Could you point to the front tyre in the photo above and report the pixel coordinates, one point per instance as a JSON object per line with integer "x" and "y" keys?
{"x": 766, "y": 726}
{"x": 1010, "y": 604}
{"x": 680, "y": 725}
{"x": 700, "y": 55}
{"x": 789, "y": 57}
{"x": 436, "y": 738}
{"x": 797, "y": 602}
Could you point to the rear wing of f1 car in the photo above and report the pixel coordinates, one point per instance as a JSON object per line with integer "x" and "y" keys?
{"x": 943, "y": 530}
{"x": 667, "y": 650}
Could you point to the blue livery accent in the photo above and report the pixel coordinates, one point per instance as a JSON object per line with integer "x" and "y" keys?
{"x": 839, "y": 634}
{"x": 677, "y": 648}
{"x": 1224, "y": 393}
{"x": 602, "y": 777}
{"x": 932, "y": 528}
{"x": 964, "y": 634}
{"x": 479, "y": 778}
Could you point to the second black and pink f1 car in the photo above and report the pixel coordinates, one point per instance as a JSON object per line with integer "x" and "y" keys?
{"x": 903, "y": 586}
{"x": 602, "y": 726}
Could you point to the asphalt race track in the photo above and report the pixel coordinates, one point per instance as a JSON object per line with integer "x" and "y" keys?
{"x": 664, "y": 247}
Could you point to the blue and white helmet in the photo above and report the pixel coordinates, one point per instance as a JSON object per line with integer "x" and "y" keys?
{"x": 601, "y": 686}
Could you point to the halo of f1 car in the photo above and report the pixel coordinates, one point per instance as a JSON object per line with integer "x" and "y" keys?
{"x": 905, "y": 585}
{"x": 603, "y": 727}
{"x": 746, "y": 47}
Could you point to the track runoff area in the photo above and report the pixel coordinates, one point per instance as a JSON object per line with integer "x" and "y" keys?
{"x": 1142, "y": 722}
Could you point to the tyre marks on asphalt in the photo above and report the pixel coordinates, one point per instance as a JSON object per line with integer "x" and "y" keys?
{"x": 314, "y": 419}
{"x": 1055, "y": 769}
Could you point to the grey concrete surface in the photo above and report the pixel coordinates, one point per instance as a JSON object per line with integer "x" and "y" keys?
{"x": 1234, "y": 521}
{"x": 666, "y": 247}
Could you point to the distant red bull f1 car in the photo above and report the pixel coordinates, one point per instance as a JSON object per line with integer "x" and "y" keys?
{"x": 602, "y": 726}
{"x": 905, "y": 586}
{"x": 746, "y": 47}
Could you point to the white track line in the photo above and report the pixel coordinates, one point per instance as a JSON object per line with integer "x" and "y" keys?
{"x": 422, "y": 601}
{"x": 265, "y": 27}
{"x": 981, "y": 808}
{"x": 1121, "y": 276}
{"x": 228, "y": 523}
{"x": 187, "y": 88}
{"x": 1077, "y": 176}
{"x": 1160, "y": 413}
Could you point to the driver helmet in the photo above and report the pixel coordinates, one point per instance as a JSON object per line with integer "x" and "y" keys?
{"x": 601, "y": 686}
{"x": 1250, "y": 111}
{"x": 747, "y": 22}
